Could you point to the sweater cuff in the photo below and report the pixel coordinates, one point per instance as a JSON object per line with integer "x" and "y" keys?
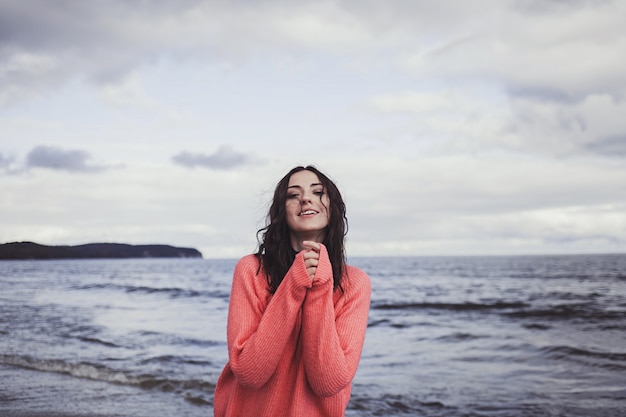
{"x": 324, "y": 272}
{"x": 301, "y": 276}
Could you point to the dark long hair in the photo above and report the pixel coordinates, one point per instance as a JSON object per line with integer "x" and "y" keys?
{"x": 275, "y": 253}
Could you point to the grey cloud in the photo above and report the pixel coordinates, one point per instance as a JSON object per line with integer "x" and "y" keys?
{"x": 614, "y": 146}
{"x": 225, "y": 158}
{"x": 55, "y": 158}
{"x": 7, "y": 164}
{"x": 44, "y": 44}
{"x": 566, "y": 238}
{"x": 543, "y": 94}
{"x": 5, "y": 161}
{"x": 561, "y": 57}
{"x": 555, "y": 6}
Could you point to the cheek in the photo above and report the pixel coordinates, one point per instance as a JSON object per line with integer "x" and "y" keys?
{"x": 290, "y": 216}
{"x": 291, "y": 207}
{"x": 326, "y": 203}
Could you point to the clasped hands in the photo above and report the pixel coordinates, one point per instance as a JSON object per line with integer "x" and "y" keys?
{"x": 311, "y": 254}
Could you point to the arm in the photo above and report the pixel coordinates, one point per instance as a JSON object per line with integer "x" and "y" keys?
{"x": 333, "y": 340}
{"x": 257, "y": 334}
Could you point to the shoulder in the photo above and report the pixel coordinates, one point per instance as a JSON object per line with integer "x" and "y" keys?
{"x": 248, "y": 275}
{"x": 352, "y": 270}
{"x": 246, "y": 267}
{"x": 248, "y": 261}
{"x": 355, "y": 279}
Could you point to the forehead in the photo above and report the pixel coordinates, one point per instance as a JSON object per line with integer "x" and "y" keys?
{"x": 303, "y": 179}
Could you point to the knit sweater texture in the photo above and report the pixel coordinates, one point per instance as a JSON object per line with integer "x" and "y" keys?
{"x": 295, "y": 352}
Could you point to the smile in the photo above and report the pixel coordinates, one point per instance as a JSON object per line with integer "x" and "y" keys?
{"x": 307, "y": 212}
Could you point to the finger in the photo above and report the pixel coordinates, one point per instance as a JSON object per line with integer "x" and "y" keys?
{"x": 310, "y": 254}
{"x": 311, "y": 245}
{"x": 311, "y": 262}
{"x": 311, "y": 271}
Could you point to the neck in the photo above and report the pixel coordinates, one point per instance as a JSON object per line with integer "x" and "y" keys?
{"x": 298, "y": 238}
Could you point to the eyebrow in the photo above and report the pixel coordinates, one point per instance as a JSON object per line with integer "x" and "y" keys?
{"x": 312, "y": 185}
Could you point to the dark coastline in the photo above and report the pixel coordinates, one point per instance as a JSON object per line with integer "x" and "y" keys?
{"x": 30, "y": 250}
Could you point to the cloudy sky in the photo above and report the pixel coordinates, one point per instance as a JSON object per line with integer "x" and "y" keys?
{"x": 451, "y": 127}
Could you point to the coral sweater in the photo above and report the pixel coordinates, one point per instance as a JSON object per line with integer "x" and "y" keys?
{"x": 293, "y": 353}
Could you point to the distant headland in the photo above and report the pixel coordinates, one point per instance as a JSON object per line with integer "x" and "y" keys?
{"x": 30, "y": 250}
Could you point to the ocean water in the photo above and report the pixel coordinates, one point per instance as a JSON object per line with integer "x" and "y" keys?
{"x": 447, "y": 336}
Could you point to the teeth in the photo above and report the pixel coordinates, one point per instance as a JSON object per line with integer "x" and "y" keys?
{"x": 308, "y": 212}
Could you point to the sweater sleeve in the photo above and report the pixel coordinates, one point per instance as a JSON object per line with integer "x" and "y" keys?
{"x": 257, "y": 334}
{"x": 333, "y": 339}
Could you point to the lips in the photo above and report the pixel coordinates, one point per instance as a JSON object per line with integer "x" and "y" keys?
{"x": 307, "y": 212}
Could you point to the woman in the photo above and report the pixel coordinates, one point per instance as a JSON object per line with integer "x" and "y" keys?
{"x": 298, "y": 313}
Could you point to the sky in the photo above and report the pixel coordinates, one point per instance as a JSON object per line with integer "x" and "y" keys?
{"x": 490, "y": 127}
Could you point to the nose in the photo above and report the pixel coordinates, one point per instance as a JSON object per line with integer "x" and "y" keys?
{"x": 306, "y": 197}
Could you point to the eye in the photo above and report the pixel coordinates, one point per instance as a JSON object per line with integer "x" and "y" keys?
{"x": 319, "y": 193}
{"x": 293, "y": 195}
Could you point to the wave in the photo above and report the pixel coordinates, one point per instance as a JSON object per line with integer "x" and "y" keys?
{"x": 172, "y": 292}
{"x": 613, "y": 360}
{"x": 176, "y": 360}
{"x": 394, "y": 404}
{"x": 193, "y": 390}
{"x": 537, "y": 326}
{"x": 515, "y": 309}
{"x": 498, "y": 305}
{"x": 170, "y": 339}
{"x": 588, "y": 311}
{"x": 98, "y": 341}
{"x": 459, "y": 337}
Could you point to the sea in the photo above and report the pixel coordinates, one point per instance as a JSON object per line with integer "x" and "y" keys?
{"x": 501, "y": 336}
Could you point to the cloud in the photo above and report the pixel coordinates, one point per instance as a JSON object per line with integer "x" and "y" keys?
{"x": 566, "y": 55}
{"x": 55, "y": 158}
{"x": 5, "y": 161}
{"x": 7, "y": 164}
{"x": 128, "y": 92}
{"x": 225, "y": 158}
{"x": 482, "y": 119}
{"x": 549, "y": 48}
{"x": 613, "y": 146}
{"x": 538, "y": 7}
{"x": 43, "y": 46}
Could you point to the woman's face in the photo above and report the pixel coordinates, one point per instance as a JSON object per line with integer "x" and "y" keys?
{"x": 306, "y": 207}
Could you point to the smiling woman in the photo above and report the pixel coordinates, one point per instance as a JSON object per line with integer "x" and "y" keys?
{"x": 298, "y": 313}
{"x": 307, "y": 208}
